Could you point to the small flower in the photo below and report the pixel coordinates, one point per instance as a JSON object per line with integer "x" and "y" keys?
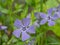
{"x": 48, "y": 18}
{"x": 24, "y": 28}
{"x": 38, "y": 18}
{"x": 2, "y": 27}
{"x": 36, "y": 23}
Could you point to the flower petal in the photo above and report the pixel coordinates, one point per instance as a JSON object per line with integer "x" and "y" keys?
{"x": 37, "y": 15}
{"x": 55, "y": 9}
{"x": 58, "y": 13}
{"x": 50, "y": 11}
{"x": 17, "y": 33}
{"x": 29, "y": 16}
{"x": 43, "y": 15}
{"x": 18, "y": 23}
{"x": 51, "y": 23}
{"x": 54, "y": 17}
{"x": 26, "y": 21}
{"x": 25, "y": 36}
{"x": 43, "y": 21}
{"x": 31, "y": 29}
{"x": 58, "y": 8}
{"x": 36, "y": 23}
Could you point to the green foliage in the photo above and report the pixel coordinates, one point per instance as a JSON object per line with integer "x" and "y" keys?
{"x": 11, "y": 10}
{"x": 57, "y": 28}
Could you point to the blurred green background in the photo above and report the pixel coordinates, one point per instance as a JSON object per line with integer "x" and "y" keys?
{"x": 10, "y": 10}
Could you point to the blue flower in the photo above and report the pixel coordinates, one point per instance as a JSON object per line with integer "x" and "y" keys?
{"x": 23, "y": 28}
{"x": 3, "y": 27}
{"x": 48, "y": 17}
{"x": 38, "y": 18}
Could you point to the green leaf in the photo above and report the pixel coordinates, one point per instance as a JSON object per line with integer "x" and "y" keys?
{"x": 24, "y": 13}
{"x": 16, "y": 11}
{"x": 4, "y": 10}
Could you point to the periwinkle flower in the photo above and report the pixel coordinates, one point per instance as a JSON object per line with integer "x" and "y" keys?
{"x": 23, "y": 28}
{"x": 48, "y": 18}
{"x": 38, "y": 18}
{"x": 3, "y": 27}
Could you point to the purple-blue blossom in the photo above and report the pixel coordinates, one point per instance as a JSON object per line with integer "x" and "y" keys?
{"x": 3, "y": 27}
{"x": 38, "y": 18}
{"x": 23, "y": 27}
{"x": 48, "y": 17}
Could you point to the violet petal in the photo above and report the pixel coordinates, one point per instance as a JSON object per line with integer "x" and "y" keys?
{"x": 31, "y": 29}
{"x": 54, "y": 17}
{"x": 17, "y": 33}
{"x": 43, "y": 21}
{"x": 51, "y": 23}
{"x": 43, "y": 15}
{"x": 25, "y": 36}
{"x": 26, "y": 21}
{"x": 18, "y": 23}
{"x": 50, "y": 11}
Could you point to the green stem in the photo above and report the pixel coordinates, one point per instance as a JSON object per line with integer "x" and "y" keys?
{"x": 41, "y": 5}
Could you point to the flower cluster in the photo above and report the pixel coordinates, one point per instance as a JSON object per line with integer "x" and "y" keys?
{"x": 50, "y": 17}
{"x": 24, "y": 28}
